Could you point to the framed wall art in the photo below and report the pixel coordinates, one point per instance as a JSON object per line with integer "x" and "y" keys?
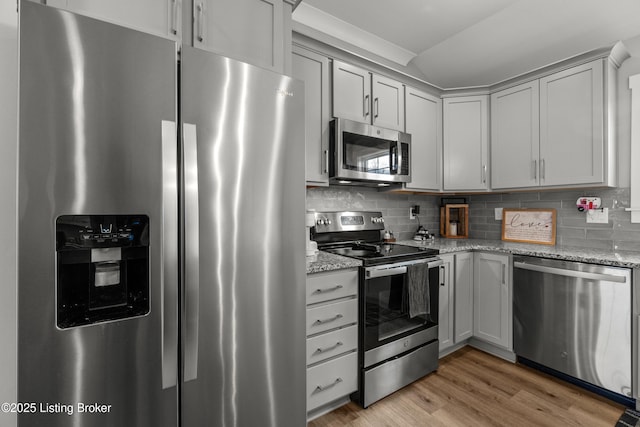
{"x": 529, "y": 226}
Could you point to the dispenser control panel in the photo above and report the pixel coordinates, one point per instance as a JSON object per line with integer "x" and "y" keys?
{"x": 90, "y": 231}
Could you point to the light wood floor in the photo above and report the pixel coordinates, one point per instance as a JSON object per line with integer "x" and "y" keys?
{"x": 472, "y": 388}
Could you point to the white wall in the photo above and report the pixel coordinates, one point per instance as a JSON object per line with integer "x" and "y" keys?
{"x": 8, "y": 223}
{"x": 630, "y": 67}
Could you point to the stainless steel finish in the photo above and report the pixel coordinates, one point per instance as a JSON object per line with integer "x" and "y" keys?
{"x": 191, "y": 252}
{"x": 366, "y": 105}
{"x": 575, "y": 318}
{"x": 174, "y": 17}
{"x": 334, "y": 288}
{"x": 340, "y": 221}
{"x": 397, "y": 373}
{"x": 398, "y": 267}
{"x": 90, "y": 142}
{"x": 326, "y": 161}
{"x": 329, "y": 320}
{"x": 251, "y": 363}
{"x": 333, "y": 384}
{"x": 333, "y": 347}
{"x": 344, "y": 125}
{"x": 570, "y": 270}
{"x": 199, "y": 19}
{"x": 378, "y": 354}
{"x": 169, "y": 278}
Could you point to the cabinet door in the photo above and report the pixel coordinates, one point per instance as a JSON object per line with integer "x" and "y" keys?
{"x": 161, "y": 18}
{"x": 388, "y": 103}
{"x": 446, "y": 307}
{"x": 491, "y": 303}
{"x": 423, "y": 120}
{"x": 572, "y": 126}
{"x": 247, "y": 30}
{"x": 515, "y": 137}
{"x": 313, "y": 69}
{"x": 465, "y": 143}
{"x": 463, "y": 292}
{"x": 351, "y": 92}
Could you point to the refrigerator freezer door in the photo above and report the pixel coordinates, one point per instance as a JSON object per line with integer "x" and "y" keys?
{"x": 93, "y": 99}
{"x": 250, "y": 360}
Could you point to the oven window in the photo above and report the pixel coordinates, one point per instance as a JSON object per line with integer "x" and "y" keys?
{"x": 387, "y": 309}
{"x": 367, "y": 154}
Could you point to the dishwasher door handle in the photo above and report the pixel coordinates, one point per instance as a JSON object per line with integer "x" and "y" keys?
{"x": 570, "y": 273}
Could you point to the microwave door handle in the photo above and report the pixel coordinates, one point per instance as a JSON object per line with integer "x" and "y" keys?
{"x": 394, "y": 159}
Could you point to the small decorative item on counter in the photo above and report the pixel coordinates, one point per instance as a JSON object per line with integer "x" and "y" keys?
{"x": 454, "y": 221}
{"x": 389, "y": 237}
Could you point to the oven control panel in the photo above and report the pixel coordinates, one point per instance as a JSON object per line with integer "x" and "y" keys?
{"x": 327, "y": 222}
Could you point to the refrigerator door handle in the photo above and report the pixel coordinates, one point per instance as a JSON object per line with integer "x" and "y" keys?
{"x": 192, "y": 252}
{"x": 169, "y": 275}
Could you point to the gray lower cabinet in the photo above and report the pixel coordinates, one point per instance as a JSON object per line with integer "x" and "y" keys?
{"x": 332, "y": 339}
{"x": 492, "y": 321}
{"x": 455, "y": 322}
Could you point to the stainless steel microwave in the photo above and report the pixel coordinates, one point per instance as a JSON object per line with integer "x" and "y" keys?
{"x": 365, "y": 154}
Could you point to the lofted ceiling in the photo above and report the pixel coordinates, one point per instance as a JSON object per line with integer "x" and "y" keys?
{"x": 470, "y": 43}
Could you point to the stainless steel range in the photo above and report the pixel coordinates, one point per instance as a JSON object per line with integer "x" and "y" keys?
{"x": 398, "y": 302}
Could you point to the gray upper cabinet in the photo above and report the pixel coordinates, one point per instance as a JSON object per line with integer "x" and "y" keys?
{"x": 515, "y": 139}
{"x": 365, "y": 97}
{"x": 423, "y": 120}
{"x": 388, "y": 102}
{"x": 572, "y": 126}
{"x": 162, "y": 18}
{"x": 466, "y": 137}
{"x": 555, "y": 131}
{"x": 313, "y": 69}
{"x": 247, "y": 30}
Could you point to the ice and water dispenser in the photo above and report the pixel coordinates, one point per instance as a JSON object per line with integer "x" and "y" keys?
{"x": 103, "y": 268}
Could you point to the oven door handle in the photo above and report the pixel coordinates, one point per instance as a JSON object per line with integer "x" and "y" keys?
{"x": 395, "y": 269}
{"x": 372, "y": 273}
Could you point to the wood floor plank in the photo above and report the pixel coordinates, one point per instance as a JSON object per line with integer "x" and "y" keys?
{"x": 472, "y": 388}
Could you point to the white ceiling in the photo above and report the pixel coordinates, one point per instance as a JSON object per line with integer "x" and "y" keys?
{"x": 468, "y": 43}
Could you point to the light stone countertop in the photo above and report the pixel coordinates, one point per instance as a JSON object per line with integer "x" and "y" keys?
{"x": 569, "y": 253}
{"x": 329, "y": 262}
{"x": 325, "y": 261}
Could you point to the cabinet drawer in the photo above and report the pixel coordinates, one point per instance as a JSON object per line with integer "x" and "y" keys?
{"x": 331, "y": 344}
{"x": 332, "y": 380}
{"x": 332, "y": 285}
{"x": 330, "y": 316}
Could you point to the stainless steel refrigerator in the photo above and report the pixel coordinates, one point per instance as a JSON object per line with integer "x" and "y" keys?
{"x": 161, "y": 232}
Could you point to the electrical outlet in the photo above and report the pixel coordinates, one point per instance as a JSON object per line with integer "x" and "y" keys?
{"x": 598, "y": 216}
{"x": 413, "y": 211}
{"x": 498, "y": 214}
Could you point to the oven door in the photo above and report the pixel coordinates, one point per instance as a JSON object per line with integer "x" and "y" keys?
{"x": 388, "y": 328}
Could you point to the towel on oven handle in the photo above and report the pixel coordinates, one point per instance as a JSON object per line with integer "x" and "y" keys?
{"x": 418, "y": 289}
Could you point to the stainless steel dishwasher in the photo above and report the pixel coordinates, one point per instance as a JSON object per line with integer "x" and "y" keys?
{"x": 574, "y": 318}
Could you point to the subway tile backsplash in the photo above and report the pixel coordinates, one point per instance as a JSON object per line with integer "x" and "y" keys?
{"x": 572, "y": 227}
{"x": 394, "y": 207}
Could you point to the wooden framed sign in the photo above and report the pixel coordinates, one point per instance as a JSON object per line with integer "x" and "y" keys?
{"x": 529, "y": 226}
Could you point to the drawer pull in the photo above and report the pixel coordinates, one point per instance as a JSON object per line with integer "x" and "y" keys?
{"x": 324, "y": 350}
{"x": 322, "y": 322}
{"x": 325, "y": 387}
{"x": 322, "y": 291}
